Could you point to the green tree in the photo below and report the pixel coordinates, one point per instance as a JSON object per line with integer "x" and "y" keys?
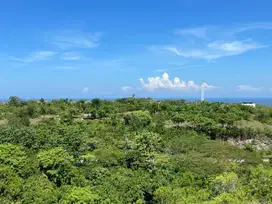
{"x": 260, "y": 183}
{"x": 229, "y": 198}
{"x": 262, "y": 115}
{"x": 203, "y": 124}
{"x": 57, "y": 164}
{"x": 42, "y": 100}
{"x": 225, "y": 183}
{"x": 80, "y": 195}
{"x": 169, "y": 195}
{"x": 18, "y": 120}
{"x": 15, "y": 101}
{"x": 178, "y": 118}
{"x": 25, "y": 136}
{"x": 96, "y": 103}
{"x": 13, "y": 156}
{"x": 137, "y": 120}
{"x": 38, "y": 190}
{"x": 142, "y": 150}
{"x": 154, "y": 107}
{"x": 10, "y": 183}
{"x": 67, "y": 117}
{"x": 227, "y": 119}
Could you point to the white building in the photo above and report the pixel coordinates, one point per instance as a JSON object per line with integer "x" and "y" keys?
{"x": 251, "y": 104}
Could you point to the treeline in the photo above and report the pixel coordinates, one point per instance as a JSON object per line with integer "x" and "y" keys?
{"x": 133, "y": 151}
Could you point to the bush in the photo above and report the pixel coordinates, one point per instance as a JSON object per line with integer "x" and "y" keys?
{"x": 137, "y": 120}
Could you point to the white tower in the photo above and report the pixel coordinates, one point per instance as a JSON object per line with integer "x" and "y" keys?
{"x": 203, "y": 91}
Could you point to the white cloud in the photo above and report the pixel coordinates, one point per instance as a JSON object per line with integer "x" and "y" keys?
{"x": 249, "y": 88}
{"x": 207, "y": 32}
{"x": 201, "y": 54}
{"x": 199, "y": 32}
{"x": 251, "y": 26}
{"x": 179, "y": 67}
{"x": 214, "y": 42}
{"x": 161, "y": 70}
{"x": 72, "y": 39}
{"x": 85, "y": 90}
{"x": 165, "y": 82}
{"x": 126, "y": 88}
{"x": 217, "y": 49}
{"x": 36, "y": 56}
{"x": 71, "y": 56}
{"x": 235, "y": 47}
{"x": 207, "y": 86}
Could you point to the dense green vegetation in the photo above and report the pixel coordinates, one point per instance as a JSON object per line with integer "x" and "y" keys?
{"x": 134, "y": 151}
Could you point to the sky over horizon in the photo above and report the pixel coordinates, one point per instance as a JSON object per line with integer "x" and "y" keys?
{"x": 112, "y": 49}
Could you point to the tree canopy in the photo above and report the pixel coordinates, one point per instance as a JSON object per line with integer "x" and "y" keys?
{"x": 134, "y": 150}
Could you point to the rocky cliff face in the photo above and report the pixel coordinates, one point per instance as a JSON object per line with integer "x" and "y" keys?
{"x": 260, "y": 144}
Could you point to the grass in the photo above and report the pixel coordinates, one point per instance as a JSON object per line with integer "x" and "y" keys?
{"x": 3, "y": 122}
{"x": 36, "y": 121}
{"x": 251, "y": 124}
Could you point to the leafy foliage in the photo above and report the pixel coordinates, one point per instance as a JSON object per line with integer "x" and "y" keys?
{"x": 134, "y": 150}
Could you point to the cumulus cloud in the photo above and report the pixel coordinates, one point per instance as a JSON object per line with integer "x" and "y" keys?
{"x": 165, "y": 82}
{"x": 249, "y": 88}
{"x": 126, "y": 88}
{"x": 85, "y": 90}
{"x": 36, "y": 56}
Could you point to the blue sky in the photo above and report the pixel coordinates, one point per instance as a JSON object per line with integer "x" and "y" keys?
{"x": 85, "y": 49}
